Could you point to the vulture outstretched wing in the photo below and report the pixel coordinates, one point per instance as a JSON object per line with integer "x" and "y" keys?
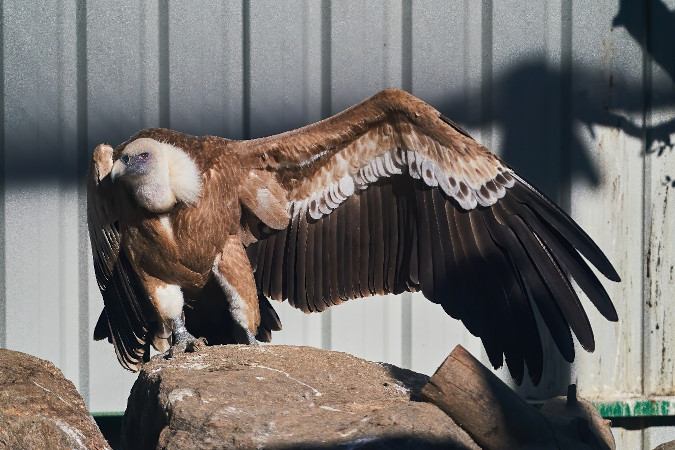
{"x": 124, "y": 318}
{"x": 389, "y": 196}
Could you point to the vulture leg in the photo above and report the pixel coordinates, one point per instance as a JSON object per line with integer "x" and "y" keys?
{"x": 232, "y": 270}
{"x": 181, "y": 336}
{"x": 168, "y": 300}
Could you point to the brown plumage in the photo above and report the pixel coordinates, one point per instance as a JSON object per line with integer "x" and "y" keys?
{"x": 384, "y": 197}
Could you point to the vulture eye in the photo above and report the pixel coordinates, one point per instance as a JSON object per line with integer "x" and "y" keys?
{"x": 125, "y": 159}
{"x": 144, "y": 155}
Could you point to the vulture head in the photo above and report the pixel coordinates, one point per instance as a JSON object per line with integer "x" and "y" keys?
{"x": 158, "y": 174}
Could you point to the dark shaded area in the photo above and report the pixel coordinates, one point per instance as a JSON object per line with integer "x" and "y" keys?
{"x": 642, "y": 423}
{"x": 652, "y": 25}
{"x": 393, "y": 442}
{"x": 111, "y": 427}
{"x": 413, "y": 381}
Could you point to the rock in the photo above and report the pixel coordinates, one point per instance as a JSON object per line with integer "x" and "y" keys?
{"x": 666, "y": 446}
{"x": 39, "y": 408}
{"x": 577, "y": 423}
{"x": 281, "y": 396}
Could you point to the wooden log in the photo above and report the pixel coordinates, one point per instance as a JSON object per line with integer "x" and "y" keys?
{"x": 485, "y": 407}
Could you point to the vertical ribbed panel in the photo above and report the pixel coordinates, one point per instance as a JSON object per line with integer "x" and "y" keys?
{"x": 563, "y": 91}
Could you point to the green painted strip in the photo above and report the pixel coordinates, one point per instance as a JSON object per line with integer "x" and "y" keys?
{"x": 637, "y": 407}
{"x": 629, "y": 406}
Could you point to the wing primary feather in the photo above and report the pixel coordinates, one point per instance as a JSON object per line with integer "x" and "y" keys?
{"x": 407, "y": 264}
{"x": 435, "y": 206}
{"x": 567, "y": 227}
{"x": 311, "y": 266}
{"x": 301, "y": 265}
{"x": 269, "y": 320}
{"x": 462, "y": 305}
{"x": 533, "y": 286}
{"x": 252, "y": 253}
{"x": 356, "y": 245}
{"x": 326, "y": 259}
{"x": 268, "y": 256}
{"x": 376, "y": 219}
{"x": 566, "y": 255}
{"x": 525, "y": 322}
{"x": 424, "y": 258}
{"x": 347, "y": 213}
{"x": 334, "y": 262}
{"x": 126, "y": 317}
{"x": 277, "y": 273}
{"x": 102, "y": 328}
{"x": 507, "y": 297}
{"x": 453, "y": 297}
{"x": 485, "y": 313}
{"x": 320, "y": 262}
{"x": 404, "y": 243}
{"x": 341, "y": 261}
{"x": 391, "y": 240}
{"x": 557, "y": 282}
{"x": 386, "y": 249}
{"x": 260, "y": 263}
{"x": 364, "y": 250}
{"x": 290, "y": 262}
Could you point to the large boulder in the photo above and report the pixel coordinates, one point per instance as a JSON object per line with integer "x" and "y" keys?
{"x": 281, "y": 397}
{"x": 39, "y": 408}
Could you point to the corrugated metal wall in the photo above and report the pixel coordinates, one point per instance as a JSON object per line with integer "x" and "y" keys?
{"x": 577, "y": 96}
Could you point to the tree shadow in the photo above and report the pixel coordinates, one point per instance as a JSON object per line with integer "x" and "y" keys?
{"x": 652, "y": 25}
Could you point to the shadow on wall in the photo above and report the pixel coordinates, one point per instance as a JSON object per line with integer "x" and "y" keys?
{"x": 658, "y": 41}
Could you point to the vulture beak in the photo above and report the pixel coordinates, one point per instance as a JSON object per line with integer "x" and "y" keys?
{"x": 130, "y": 165}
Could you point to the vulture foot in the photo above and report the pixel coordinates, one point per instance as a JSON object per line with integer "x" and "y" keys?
{"x": 183, "y": 341}
{"x": 186, "y": 344}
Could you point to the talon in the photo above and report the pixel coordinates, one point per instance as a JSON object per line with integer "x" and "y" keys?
{"x": 195, "y": 344}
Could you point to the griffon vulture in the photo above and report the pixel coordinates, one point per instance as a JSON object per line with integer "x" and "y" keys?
{"x": 192, "y": 235}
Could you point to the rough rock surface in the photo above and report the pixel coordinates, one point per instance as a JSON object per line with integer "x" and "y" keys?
{"x": 281, "y": 397}
{"x": 39, "y": 408}
{"x": 578, "y": 424}
{"x": 666, "y": 446}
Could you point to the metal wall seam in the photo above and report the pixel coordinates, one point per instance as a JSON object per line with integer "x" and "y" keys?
{"x": 3, "y": 233}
